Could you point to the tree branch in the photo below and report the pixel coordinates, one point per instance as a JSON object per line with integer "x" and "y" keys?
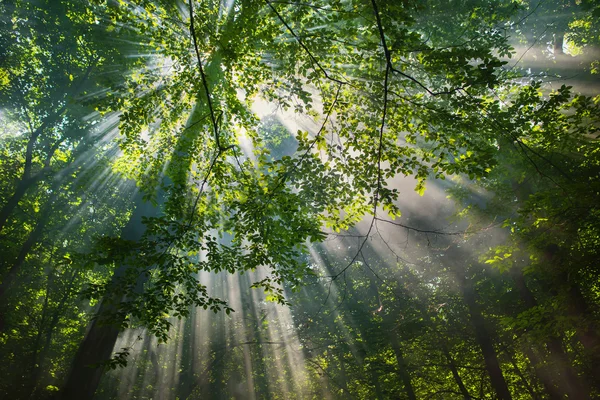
{"x": 203, "y": 76}
{"x": 301, "y": 43}
{"x": 388, "y": 57}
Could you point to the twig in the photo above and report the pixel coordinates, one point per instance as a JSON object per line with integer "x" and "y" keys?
{"x": 410, "y": 228}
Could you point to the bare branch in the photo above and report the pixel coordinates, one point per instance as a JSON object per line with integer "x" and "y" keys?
{"x": 410, "y": 228}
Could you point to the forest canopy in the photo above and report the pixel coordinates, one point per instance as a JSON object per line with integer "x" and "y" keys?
{"x": 299, "y": 199}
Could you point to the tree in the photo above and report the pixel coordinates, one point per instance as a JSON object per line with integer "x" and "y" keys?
{"x": 389, "y": 90}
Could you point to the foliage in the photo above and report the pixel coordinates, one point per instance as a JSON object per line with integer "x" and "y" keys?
{"x": 98, "y": 97}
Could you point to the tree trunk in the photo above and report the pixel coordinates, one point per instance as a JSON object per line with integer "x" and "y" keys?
{"x": 13, "y": 271}
{"x": 38, "y": 357}
{"x": 86, "y": 369}
{"x": 484, "y": 341}
{"x": 564, "y": 380}
{"x": 97, "y": 346}
{"x": 455, "y": 374}
{"x": 403, "y": 372}
{"x": 32, "y": 239}
{"x": 587, "y": 331}
{"x": 22, "y": 188}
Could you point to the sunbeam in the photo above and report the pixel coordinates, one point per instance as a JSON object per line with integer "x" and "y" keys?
{"x": 299, "y": 200}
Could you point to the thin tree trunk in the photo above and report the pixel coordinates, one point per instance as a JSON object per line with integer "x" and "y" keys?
{"x": 28, "y": 180}
{"x": 186, "y": 371}
{"x": 37, "y": 367}
{"x": 455, "y": 374}
{"x": 32, "y": 239}
{"x": 403, "y": 371}
{"x": 22, "y": 188}
{"x": 484, "y": 341}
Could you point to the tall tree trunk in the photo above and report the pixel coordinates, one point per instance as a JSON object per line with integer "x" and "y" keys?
{"x": 13, "y": 271}
{"x": 86, "y": 369}
{"x": 403, "y": 371}
{"x": 39, "y": 356}
{"x": 22, "y": 188}
{"x": 484, "y": 340}
{"x": 31, "y": 240}
{"x": 564, "y": 380}
{"x": 97, "y": 346}
{"x": 455, "y": 374}
{"x": 188, "y": 353}
{"x": 99, "y": 341}
{"x": 588, "y": 331}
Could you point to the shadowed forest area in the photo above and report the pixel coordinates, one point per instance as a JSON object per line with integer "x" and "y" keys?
{"x": 267, "y": 199}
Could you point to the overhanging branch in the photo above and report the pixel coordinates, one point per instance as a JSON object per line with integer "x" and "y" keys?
{"x": 301, "y": 43}
{"x": 203, "y": 76}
